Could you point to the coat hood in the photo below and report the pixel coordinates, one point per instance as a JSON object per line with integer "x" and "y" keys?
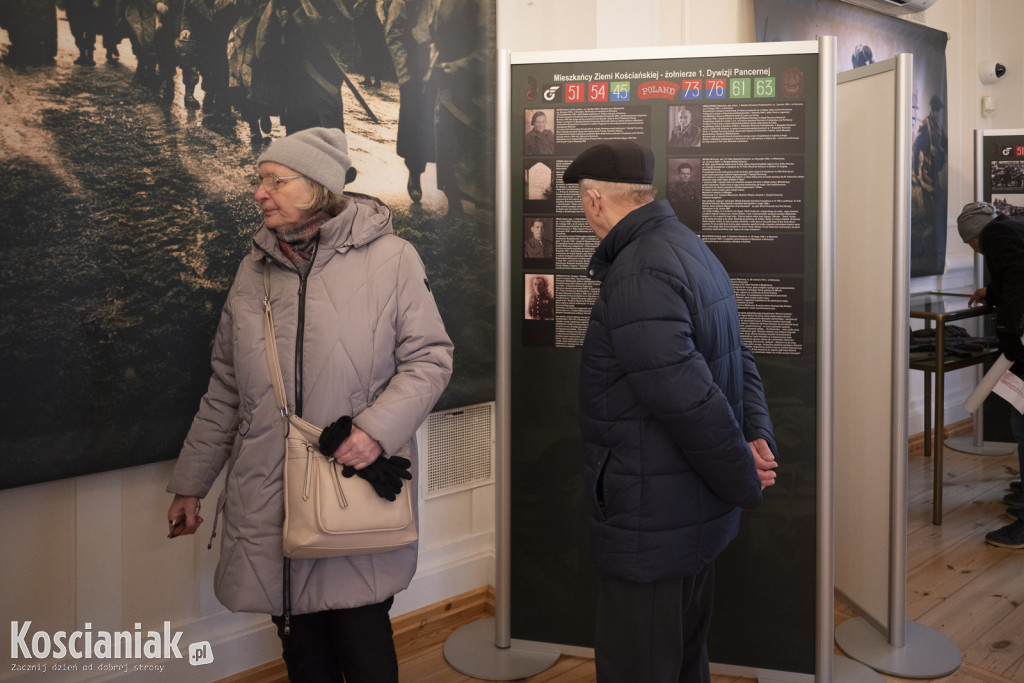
{"x": 365, "y": 219}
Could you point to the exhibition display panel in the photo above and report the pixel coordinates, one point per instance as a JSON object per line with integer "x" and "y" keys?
{"x": 743, "y": 137}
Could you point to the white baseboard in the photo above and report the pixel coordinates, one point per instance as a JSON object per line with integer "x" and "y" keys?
{"x": 447, "y": 571}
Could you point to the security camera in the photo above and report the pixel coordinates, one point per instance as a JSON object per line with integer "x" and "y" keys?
{"x": 990, "y": 72}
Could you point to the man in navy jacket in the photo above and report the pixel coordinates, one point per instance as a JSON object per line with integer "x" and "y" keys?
{"x": 676, "y": 432}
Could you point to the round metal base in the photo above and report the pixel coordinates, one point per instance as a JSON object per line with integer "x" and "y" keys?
{"x": 965, "y": 444}
{"x": 926, "y": 653}
{"x": 471, "y": 651}
{"x": 848, "y": 671}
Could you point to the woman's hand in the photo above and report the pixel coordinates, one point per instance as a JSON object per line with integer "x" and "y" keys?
{"x": 358, "y": 450}
{"x": 183, "y": 515}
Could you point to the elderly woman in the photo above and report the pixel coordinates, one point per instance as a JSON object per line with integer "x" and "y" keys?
{"x": 359, "y": 335}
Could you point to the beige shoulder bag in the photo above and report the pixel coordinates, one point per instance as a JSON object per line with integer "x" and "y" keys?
{"x": 327, "y": 515}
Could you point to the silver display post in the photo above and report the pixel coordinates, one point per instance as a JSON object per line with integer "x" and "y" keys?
{"x": 829, "y": 666}
{"x": 483, "y": 649}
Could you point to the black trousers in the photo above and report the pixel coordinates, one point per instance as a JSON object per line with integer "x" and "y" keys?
{"x": 342, "y": 645}
{"x": 654, "y": 632}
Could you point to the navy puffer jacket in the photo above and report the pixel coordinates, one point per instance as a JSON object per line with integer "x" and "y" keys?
{"x": 669, "y": 398}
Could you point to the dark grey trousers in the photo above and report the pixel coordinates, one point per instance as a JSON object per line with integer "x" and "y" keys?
{"x": 654, "y": 632}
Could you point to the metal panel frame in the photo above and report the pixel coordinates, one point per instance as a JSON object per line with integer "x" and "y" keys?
{"x": 826, "y": 352}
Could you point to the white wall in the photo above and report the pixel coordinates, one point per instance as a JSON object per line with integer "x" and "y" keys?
{"x": 92, "y": 549}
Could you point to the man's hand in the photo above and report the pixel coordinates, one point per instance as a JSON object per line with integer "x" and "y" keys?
{"x": 183, "y": 516}
{"x": 764, "y": 461}
{"x": 978, "y": 297}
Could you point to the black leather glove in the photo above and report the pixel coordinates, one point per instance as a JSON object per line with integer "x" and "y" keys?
{"x": 333, "y": 434}
{"x": 384, "y": 474}
{"x": 1010, "y": 346}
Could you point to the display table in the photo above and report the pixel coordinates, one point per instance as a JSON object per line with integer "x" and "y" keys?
{"x": 939, "y": 309}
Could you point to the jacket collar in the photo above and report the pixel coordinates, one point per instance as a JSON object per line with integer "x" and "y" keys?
{"x": 365, "y": 219}
{"x": 632, "y": 225}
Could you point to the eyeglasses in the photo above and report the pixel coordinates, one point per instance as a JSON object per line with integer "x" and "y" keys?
{"x": 271, "y": 182}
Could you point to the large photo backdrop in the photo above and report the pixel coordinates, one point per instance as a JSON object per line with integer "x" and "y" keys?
{"x": 129, "y": 132}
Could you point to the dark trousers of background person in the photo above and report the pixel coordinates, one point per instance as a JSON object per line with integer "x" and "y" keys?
{"x": 1017, "y": 427}
{"x": 654, "y": 632}
{"x": 352, "y": 645}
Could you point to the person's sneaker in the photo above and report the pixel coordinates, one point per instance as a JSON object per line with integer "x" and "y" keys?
{"x": 1015, "y": 499}
{"x": 1011, "y": 536}
{"x": 1015, "y": 512}
{"x": 1015, "y": 485}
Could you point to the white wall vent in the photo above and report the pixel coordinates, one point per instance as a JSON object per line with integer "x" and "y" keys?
{"x": 459, "y": 450}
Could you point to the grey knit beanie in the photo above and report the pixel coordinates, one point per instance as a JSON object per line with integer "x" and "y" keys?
{"x": 973, "y": 219}
{"x": 317, "y": 153}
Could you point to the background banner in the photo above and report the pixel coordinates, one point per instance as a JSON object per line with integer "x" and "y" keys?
{"x": 865, "y": 37}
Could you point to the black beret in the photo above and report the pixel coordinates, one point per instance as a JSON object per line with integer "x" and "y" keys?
{"x": 617, "y": 161}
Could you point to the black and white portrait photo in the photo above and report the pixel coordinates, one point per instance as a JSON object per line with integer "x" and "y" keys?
{"x": 684, "y": 125}
{"x": 537, "y": 239}
{"x": 540, "y": 296}
{"x": 683, "y": 183}
{"x": 540, "y": 132}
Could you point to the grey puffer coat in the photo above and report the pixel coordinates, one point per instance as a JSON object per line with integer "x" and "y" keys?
{"x": 359, "y": 336}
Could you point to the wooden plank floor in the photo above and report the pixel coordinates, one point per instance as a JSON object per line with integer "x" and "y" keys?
{"x": 971, "y": 592}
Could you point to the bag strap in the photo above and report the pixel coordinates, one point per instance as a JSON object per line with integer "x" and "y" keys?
{"x": 273, "y": 361}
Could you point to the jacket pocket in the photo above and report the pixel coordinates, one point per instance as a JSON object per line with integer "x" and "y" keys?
{"x": 598, "y": 489}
